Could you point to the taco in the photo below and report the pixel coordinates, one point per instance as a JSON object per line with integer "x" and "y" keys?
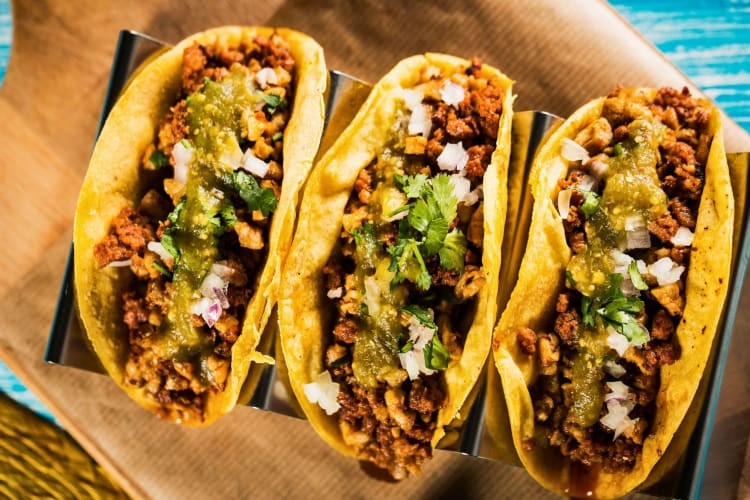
{"x": 606, "y": 335}
{"x": 389, "y": 292}
{"x": 186, "y": 212}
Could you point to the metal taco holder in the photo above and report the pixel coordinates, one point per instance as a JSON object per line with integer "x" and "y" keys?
{"x": 68, "y": 346}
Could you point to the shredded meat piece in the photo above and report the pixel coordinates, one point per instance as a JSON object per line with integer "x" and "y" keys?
{"x": 596, "y": 136}
{"x": 683, "y": 213}
{"x": 131, "y": 233}
{"x": 670, "y": 298}
{"x": 479, "y": 159}
{"x": 346, "y": 331}
{"x": 662, "y": 326}
{"x": 526, "y": 338}
{"x": 664, "y": 228}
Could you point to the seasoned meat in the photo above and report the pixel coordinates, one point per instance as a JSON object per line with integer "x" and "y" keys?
{"x": 526, "y": 338}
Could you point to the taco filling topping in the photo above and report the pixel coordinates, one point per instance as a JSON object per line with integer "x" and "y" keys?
{"x": 408, "y": 269}
{"x": 197, "y": 241}
{"x": 629, "y": 206}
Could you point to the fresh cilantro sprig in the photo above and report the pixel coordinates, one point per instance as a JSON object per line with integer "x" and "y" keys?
{"x": 590, "y": 203}
{"x": 159, "y": 159}
{"x": 421, "y": 314}
{"x": 274, "y": 102}
{"x": 436, "y": 356}
{"x": 615, "y": 309}
{"x": 635, "y": 277}
{"x": 255, "y": 197}
{"x": 162, "y": 269}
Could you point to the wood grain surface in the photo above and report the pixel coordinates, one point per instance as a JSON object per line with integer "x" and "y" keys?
{"x": 49, "y": 107}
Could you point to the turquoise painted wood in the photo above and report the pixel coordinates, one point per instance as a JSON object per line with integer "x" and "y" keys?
{"x": 708, "y": 40}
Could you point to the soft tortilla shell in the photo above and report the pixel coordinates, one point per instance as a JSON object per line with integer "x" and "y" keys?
{"x": 114, "y": 180}
{"x": 304, "y": 309}
{"x": 532, "y": 304}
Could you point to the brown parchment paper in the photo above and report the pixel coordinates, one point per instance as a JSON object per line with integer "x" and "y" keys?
{"x": 561, "y": 54}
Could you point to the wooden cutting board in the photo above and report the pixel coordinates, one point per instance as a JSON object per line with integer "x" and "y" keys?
{"x": 560, "y": 53}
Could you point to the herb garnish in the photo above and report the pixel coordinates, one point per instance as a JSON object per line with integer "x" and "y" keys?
{"x": 159, "y": 159}
{"x": 255, "y": 197}
{"x": 162, "y": 269}
{"x": 273, "y": 102}
{"x": 436, "y": 356}
{"x": 635, "y": 276}
{"x": 615, "y": 309}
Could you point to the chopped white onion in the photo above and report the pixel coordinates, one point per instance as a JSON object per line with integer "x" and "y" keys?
{"x": 412, "y": 98}
{"x": 633, "y": 222}
{"x": 414, "y": 364}
{"x": 221, "y": 270}
{"x": 586, "y": 183}
{"x": 158, "y": 248}
{"x": 336, "y": 293}
{"x": 182, "y": 155}
{"x": 666, "y": 271}
{"x": 397, "y": 216}
{"x": 210, "y": 283}
{"x": 452, "y": 93}
{"x": 618, "y": 391}
{"x": 627, "y": 287}
{"x": 614, "y": 369}
{"x": 638, "y": 238}
{"x": 621, "y": 260}
{"x": 324, "y": 391}
{"x": 266, "y": 76}
{"x": 563, "y": 202}
{"x": 120, "y": 263}
{"x": 683, "y": 237}
{"x": 453, "y": 157}
{"x": 598, "y": 168}
{"x": 420, "y": 335}
{"x": 617, "y": 417}
{"x": 462, "y": 190}
{"x": 420, "y": 122}
{"x": 253, "y": 164}
{"x": 572, "y": 151}
{"x": 642, "y": 268}
{"x": 617, "y": 341}
{"x": 209, "y": 309}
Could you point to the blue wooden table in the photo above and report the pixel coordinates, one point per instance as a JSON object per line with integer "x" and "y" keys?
{"x": 708, "y": 40}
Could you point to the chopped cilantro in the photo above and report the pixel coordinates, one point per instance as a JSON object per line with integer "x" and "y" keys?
{"x": 159, "y": 159}
{"x": 255, "y": 197}
{"x": 570, "y": 279}
{"x": 590, "y": 203}
{"x": 407, "y": 347}
{"x": 412, "y": 185}
{"x": 162, "y": 269}
{"x": 277, "y": 136}
{"x": 341, "y": 361}
{"x": 615, "y": 309}
{"x": 421, "y": 314}
{"x": 436, "y": 356}
{"x": 407, "y": 263}
{"x": 223, "y": 220}
{"x": 167, "y": 241}
{"x": 175, "y": 213}
{"x": 618, "y": 149}
{"x": 446, "y": 200}
{"x": 635, "y": 276}
{"x": 453, "y": 251}
{"x": 273, "y": 102}
{"x": 228, "y": 215}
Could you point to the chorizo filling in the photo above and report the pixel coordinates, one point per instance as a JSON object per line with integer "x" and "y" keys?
{"x": 197, "y": 241}
{"x": 629, "y": 206}
{"x": 408, "y": 268}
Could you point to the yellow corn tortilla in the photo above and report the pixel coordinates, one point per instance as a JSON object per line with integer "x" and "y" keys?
{"x": 541, "y": 278}
{"x": 304, "y": 309}
{"x": 115, "y": 179}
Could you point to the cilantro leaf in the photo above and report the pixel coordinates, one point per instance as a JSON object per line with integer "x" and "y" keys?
{"x": 274, "y": 102}
{"x": 174, "y": 215}
{"x": 167, "y": 241}
{"x": 421, "y": 314}
{"x": 228, "y": 216}
{"x": 590, "y": 203}
{"x": 412, "y": 185}
{"x": 255, "y": 197}
{"x": 569, "y": 277}
{"x": 617, "y": 310}
{"x": 436, "y": 356}
{"x": 435, "y": 235}
{"x": 159, "y": 159}
{"x": 407, "y": 347}
{"x": 453, "y": 251}
{"x": 446, "y": 200}
{"x": 408, "y": 264}
{"x": 618, "y": 149}
{"x": 635, "y": 276}
{"x": 277, "y": 136}
{"x": 423, "y": 212}
{"x": 586, "y": 312}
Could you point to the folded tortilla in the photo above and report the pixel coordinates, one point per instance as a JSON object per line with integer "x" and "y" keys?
{"x": 532, "y": 305}
{"x": 115, "y": 180}
{"x": 305, "y": 312}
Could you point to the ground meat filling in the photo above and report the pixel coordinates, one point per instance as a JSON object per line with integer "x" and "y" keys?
{"x": 176, "y": 385}
{"x": 392, "y": 424}
{"x": 681, "y": 174}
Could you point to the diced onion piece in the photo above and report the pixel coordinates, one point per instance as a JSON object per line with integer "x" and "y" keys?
{"x": 413, "y": 363}
{"x": 598, "y": 168}
{"x": 420, "y": 122}
{"x": 452, "y": 93}
{"x": 324, "y": 391}
{"x": 182, "y": 155}
{"x": 158, "y": 248}
{"x": 563, "y": 202}
{"x": 412, "y": 98}
{"x": 211, "y": 282}
{"x": 617, "y": 418}
{"x": 254, "y": 165}
{"x": 618, "y": 391}
{"x": 209, "y": 309}
{"x": 638, "y": 238}
{"x": 221, "y": 270}
{"x": 622, "y": 261}
{"x": 683, "y": 237}
{"x": 453, "y": 157}
{"x": 120, "y": 263}
{"x": 627, "y": 287}
{"x": 617, "y": 341}
{"x": 266, "y": 76}
{"x": 336, "y": 293}
{"x": 633, "y": 222}
{"x": 614, "y": 369}
{"x": 586, "y": 183}
{"x": 419, "y": 334}
{"x": 572, "y": 151}
{"x": 642, "y": 268}
{"x": 666, "y": 271}
{"x": 397, "y": 216}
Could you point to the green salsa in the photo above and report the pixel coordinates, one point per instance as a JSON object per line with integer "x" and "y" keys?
{"x": 214, "y": 116}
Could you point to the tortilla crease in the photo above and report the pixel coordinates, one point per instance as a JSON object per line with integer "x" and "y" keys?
{"x": 541, "y": 278}
{"x": 304, "y": 309}
{"x": 114, "y": 180}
